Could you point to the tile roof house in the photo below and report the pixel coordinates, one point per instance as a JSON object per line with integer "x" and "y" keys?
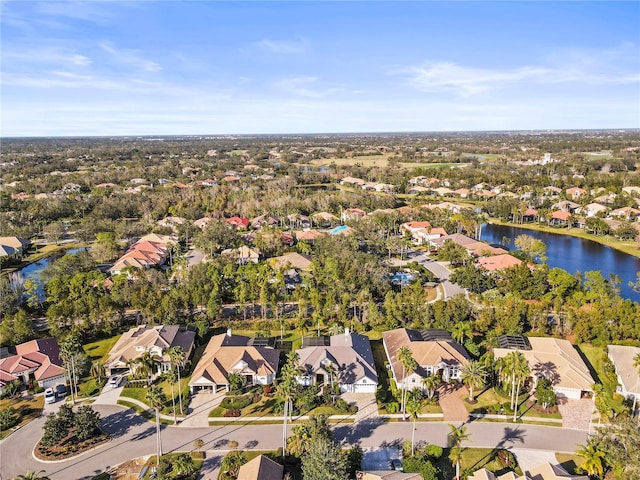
{"x": 38, "y": 359}
{"x": 498, "y": 262}
{"x": 623, "y": 359}
{"x": 434, "y": 350}
{"x": 557, "y": 360}
{"x": 155, "y": 339}
{"x": 308, "y": 236}
{"x": 243, "y": 254}
{"x": 261, "y": 468}
{"x": 150, "y": 251}
{"x": 545, "y": 471}
{"x": 20, "y": 245}
{"x": 291, "y": 260}
{"x": 351, "y": 361}
{"x": 238, "y": 222}
{"x": 227, "y": 353}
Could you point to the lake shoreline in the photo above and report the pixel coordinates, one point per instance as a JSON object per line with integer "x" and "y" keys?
{"x": 629, "y": 248}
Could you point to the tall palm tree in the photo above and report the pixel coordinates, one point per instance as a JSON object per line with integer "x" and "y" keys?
{"x": 32, "y": 475}
{"x": 414, "y": 406}
{"x": 172, "y": 378}
{"x": 521, "y": 372}
{"x": 155, "y": 396}
{"x": 457, "y": 435}
{"x": 593, "y": 460}
{"x": 177, "y": 356}
{"x": 97, "y": 369}
{"x": 473, "y": 375}
{"x": 287, "y": 387}
{"x": 409, "y": 366}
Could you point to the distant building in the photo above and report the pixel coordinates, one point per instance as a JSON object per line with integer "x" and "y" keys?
{"x": 37, "y": 360}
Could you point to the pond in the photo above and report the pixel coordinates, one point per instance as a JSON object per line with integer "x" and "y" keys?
{"x": 33, "y": 270}
{"x": 575, "y": 254}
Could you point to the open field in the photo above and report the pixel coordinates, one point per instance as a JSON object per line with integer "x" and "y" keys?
{"x": 382, "y": 161}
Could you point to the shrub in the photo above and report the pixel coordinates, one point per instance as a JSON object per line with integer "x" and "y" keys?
{"x": 235, "y": 402}
{"x": 267, "y": 389}
{"x": 232, "y": 413}
{"x": 433, "y": 451}
{"x": 393, "y": 407}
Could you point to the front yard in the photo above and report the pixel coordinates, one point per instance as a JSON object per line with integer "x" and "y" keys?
{"x": 23, "y": 411}
{"x": 490, "y": 401}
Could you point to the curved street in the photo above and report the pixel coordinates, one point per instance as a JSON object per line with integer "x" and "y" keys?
{"x": 134, "y": 436}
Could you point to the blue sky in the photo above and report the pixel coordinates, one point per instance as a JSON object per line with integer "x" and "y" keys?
{"x": 145, "y": 68}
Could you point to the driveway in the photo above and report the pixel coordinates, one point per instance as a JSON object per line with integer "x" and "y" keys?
{"x": 440, "y": 270}
{"x": 367, "y": 405}
{"x": 200, "y": 406}
{"x": 109, "y": 395}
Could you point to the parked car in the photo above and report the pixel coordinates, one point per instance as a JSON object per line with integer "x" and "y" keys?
{"x": 114, "y": 380}
{"x": 61, "y": 390}
{"x": 49, "y": 395}
{"x": 396, "y": 464}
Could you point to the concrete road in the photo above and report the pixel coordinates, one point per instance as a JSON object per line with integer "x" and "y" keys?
{"x": 443, "y": 273}
{"x": 133, "y": 436}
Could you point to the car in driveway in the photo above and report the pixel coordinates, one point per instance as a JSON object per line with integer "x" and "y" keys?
{"x": 396, "y": 464}
{"x": 114, "y": 381}
{"x": 49, "y": 396}
{"x": 61, "y": 390}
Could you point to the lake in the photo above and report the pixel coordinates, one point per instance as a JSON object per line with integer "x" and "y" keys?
{"x": 575, "y": 254}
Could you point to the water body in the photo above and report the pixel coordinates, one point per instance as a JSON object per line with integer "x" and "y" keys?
{"x": 33, "y": 270}
{"x": 575, "y": 254}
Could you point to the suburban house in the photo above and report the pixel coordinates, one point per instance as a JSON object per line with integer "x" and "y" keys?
{"x": 552, "y": 358}
{"x": 498, "y": 262}
{"x": 575, "y": 192}
{"x": 150, "y": 251}
{"x": 592, "y": 209}
{"x": 37, "y": 360}
{"x": 238, "y": 222}
{"x": 623, "y": 359}
{"x": 202, "y": 223}
{"x": 560, "y": 218}
{"x": 545, "y": 471}
{"x": 261, "y": 468}
{"x": 346, "y": 359}
{"x": 154, "y": 339}
{"x": 435, "y": 352}
{"x": 291, "y": 260}
{"x": 243, "y": 254}
{"x": 352, "y": 214}
{"x": 19, "y": 245}
{"x": 309, "y": 236}
{"x": 226, "y": 353}
{"x": 324, "y": 219}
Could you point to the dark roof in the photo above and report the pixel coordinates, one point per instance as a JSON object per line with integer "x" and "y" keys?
{"x": 429, "y": 335}
{"x": 514, "y": 342}
{"x": 261, "y": 342}
{"x": 316, "y": 341}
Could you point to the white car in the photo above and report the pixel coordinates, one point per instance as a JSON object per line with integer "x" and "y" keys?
{"x": 49, "y": 395}
{"x": 114, "y": 381}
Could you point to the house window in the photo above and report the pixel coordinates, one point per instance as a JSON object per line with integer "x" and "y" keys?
{"x": 413, "y": 380}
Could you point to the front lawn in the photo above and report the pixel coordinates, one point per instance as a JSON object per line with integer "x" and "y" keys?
{"x": 25, "y": 410}
{"x": 605, "y": 374}
{"x": 140, "y": 394}
{"x": 490, "y": 400}
{"x": 474, "y": 459}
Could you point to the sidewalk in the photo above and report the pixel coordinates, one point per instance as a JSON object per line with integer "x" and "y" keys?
{"x": 151, "y": 411}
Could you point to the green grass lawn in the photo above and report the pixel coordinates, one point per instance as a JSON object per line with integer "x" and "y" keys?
{"x": 603, "y": 372}
{"x": 476, "y": 458}
{"x": 88, "y": 387}
{"x": 490, "y": 397}
{"x": 140, "y": 394}
{"x": 197, "y": 457}
{"x": 100, "y": 349}
{"x": 26, "y": 409}
{"x": 151, "y": 416}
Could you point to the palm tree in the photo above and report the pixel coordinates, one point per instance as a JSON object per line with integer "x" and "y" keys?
{"x": 473, "y": 375}
{"x": 409, "y": 366}
{"x": 431, "y": 384}
{"x": 97, "y": 369}
{"x": 462, "y": 331}
{"x": 287, "y": 387}
{"x": 146, "y": 364}
{"x": 592, "y": 460}
{"x": 177, "y": 356}
{"x": 32, "y": 475}
{"x": 183, "y": 465}
{"x": 155, "y": 396}
{"x": 456, "y": 436}
{"x": 520, "y": 372}
{"x": 414, "y": 406}
{"x": 172, "y": 378}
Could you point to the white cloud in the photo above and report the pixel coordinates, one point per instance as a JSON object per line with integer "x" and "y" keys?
{"x": 282, "y": 46}
{"x": 47, "y": 55}
{"x": 130, "y": 57}
{"x": 467, "y": 81}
